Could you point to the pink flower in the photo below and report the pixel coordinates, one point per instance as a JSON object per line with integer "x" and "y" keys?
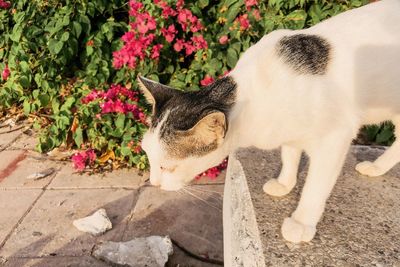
{"x": 128, "y": 37}
{"x": 196, "y": 26}
{"x": 79, "y": 161}
{"x": 92, "y": 96}
{"x": 190, "y": 48}
{"x": 169, "y": 33}
{"x": 180, "y": 4}
{"x": 179, "y": 44}
{"x": 6, "y": 73}
{"x": 84, "y": 158}
{"x": 155, "y": 52}
{"x": 214, "y": 171}
{"x": 250, "y": 3}
{"x": 168, "y": 11}
{"x": 243, "y": 21}
{"x": 5, "y": 5}
{"x": 207, "y": 80}
{"x": 184, "y": 16}
{"x": 199, "y": 42}
{"x": 134, "y": 7}
{"x": 91, "y": 155}
{"x": 223, "y": 39}
{"x": 256, "y": 14}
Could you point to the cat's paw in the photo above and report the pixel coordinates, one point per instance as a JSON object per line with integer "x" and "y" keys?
{"x": 274, "y": 188}
{"x": 295, "y": 232}
{"x": 369, "y": 168}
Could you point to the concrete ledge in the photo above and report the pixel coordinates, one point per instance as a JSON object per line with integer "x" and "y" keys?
{"x": 242, "y": 243}
{"x": 360, "y": 225}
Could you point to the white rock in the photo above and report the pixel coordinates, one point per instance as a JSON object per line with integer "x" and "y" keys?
{"x": 144, "y": 251}
{"x": 95, "y": 224}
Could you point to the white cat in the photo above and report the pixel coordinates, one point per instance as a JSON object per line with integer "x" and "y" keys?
{"x": 308, "y": 90}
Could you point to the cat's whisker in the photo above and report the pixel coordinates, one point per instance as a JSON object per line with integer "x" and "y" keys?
{"x": 202, "y": 200}
{"x": 205, "y": 190}
{"x": 211, "y": 195}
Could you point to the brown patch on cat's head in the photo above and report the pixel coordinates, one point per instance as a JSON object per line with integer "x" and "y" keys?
{"x": 198, "y": 141}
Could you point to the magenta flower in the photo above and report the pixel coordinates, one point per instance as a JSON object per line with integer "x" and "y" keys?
{"x": 189, "y": 48}
{"x": 199, "y": 42}
{"x": 155, "y": 52}
{"x": 250, "y": 3}
{"x": 83, "y": 159}
{"x": 207, "y": 80}
{"x": 179, "y": 45}
{"x": 243, "y": 21}
{"x": 6, "y": 73}
{"x": 169, "y": 33}
{"x": 168, "y": 11}
{"x": 223, "y": 39}
{"x": 4, "y": 4}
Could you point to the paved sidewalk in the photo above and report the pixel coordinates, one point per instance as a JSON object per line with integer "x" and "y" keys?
{"x": 36, "y": 216}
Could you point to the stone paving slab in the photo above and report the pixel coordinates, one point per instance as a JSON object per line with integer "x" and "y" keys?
{"x": 9, "y": 161}
{"x": 13, "y": 205}
{"x": 360, "y": 225}
{"x": 7, "y": 138}
{"x": 17, "y": 179}
{"x": 68, "y": 178}
{"x": 85, "y": 261}
{"x": 25, "y": 142}
{"x": 48, "y": 230}
{"x": 195, "y": 224}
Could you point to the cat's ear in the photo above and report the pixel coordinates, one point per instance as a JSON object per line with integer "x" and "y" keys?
{"x": 155, "y": 93}
{"x": 210, "y": 129}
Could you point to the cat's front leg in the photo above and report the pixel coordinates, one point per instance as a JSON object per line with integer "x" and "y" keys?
{"x": 288, "y": 175}
{"x": 326, "y": 161}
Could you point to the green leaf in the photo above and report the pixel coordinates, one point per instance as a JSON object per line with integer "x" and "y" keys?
{"x": 78, "y": 136}
{"x": 24, "y": 66}
{"x": 125, "y": 151}
{"x": 120, "y": 121}
{"x": 55, "y": 46}
{"x": 65, "y": 36}
{"x": 44, "y": 99}
{"x": 24, "y": 81}
{"x": 27, "y": 107}
{"x": 76, "y": 29}
{"x": 232, "y": 58}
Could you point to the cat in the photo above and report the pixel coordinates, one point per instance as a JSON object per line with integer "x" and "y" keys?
{"x": 306, "y": 90}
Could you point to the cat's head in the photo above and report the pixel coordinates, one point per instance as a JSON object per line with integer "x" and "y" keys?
{"x": 187, "y": 130}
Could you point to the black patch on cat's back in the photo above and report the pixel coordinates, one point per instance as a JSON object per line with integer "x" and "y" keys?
{"x": 305, "y": 53}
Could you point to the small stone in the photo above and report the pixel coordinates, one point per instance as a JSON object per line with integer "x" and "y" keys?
{"x": 95, "y": 224}
{"x": 41, "y": 175}
{"x": 144, "y": 251}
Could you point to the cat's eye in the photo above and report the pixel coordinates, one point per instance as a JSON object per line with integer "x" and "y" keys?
{"x": 168, "y": 169}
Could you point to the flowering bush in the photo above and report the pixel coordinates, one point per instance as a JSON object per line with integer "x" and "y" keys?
{"x": 73, "y": 65}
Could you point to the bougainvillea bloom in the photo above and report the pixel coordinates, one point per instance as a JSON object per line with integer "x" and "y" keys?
{"x": 4, "y": 4}
{"x": 179, "y": 45}
{"x": 256, "y": 14}
{"x": 207, "y": 80}
{"x": 223, "y": 39}
{"x": 83, "y": 159}
{"x": 199, "y": 42}
{"x": 250, "y": 3}
{"x": 6, "y": 73}
{"x": 214, "y": 171}
{"x": 243, "y": 21}
{"x": 169, "y": 33}
{"x": 155, "y": 52}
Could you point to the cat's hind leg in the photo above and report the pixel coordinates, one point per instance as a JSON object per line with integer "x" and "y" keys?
{"x": 288, "y": 175}
{"x": 387, "y": 160}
